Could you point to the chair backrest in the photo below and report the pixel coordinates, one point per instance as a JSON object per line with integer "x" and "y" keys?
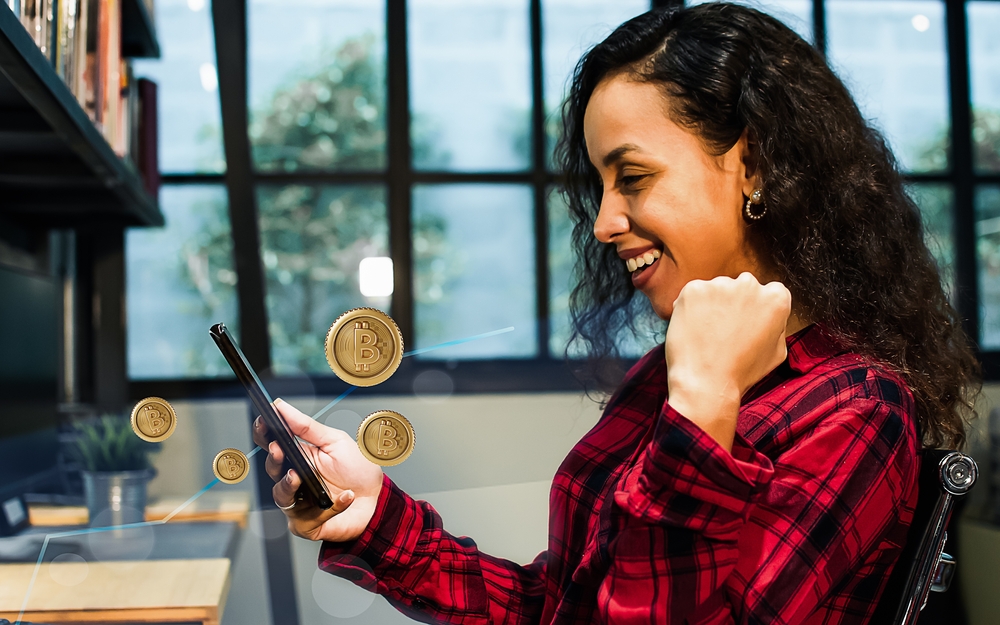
{"x": 944, "y": 475}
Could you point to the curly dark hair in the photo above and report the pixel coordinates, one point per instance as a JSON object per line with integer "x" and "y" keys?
{"x": 840, "y": 232}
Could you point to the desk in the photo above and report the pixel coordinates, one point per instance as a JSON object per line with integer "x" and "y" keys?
{"x": 184, "y": 580}
{"x": 148, "y": 591}
{"x": 212, "y": 506}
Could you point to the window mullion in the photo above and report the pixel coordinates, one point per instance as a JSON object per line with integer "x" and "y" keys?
{"x": 540, "y": 164}
{"x": 400, "y": 169}
{"x": 231, "y": 57}
{"x": 967, "y": 285}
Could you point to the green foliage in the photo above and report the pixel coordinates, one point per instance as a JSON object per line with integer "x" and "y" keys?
{"x": 332, "y": 117}
{"x": 109, "y": 444}
{"x": 985, "y": 145}
{"x": 312, "y": 241}
{"x": 986, "y": 140}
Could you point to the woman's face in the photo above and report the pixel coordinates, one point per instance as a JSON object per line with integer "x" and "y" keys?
{"x": 665, "y": 197}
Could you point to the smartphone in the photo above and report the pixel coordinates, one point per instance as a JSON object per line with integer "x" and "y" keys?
{"x": 312, "y": 485}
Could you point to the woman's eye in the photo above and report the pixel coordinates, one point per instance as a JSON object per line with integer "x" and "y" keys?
{"x": 628, "y": 181}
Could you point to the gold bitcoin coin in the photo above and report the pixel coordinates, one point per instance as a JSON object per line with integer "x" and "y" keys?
{"x": 153, "y": 420}
{"x": 386, "y": 437}
{"x": 364, "y": 347}
{"x": 231, "y": 466}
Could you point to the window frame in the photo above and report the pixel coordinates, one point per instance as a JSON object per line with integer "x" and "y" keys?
{"x": 544, "y": 372}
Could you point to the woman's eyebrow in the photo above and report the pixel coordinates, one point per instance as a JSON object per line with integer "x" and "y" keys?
{"x": 616, "y": 154}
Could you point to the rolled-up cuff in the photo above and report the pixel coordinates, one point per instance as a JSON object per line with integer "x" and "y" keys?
{"x": 386, "y": 542}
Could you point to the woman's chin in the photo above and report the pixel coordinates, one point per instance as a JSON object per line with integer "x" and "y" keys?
{"x": 661, "y": 307}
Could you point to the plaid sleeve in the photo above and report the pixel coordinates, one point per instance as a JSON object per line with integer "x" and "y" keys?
{"x": 431, "y": 576}
{"x": 713, "y": 537}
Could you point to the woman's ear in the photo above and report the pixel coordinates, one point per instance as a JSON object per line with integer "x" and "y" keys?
{"x": 749, "y": 151}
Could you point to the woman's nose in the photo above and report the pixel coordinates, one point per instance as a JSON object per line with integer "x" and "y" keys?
{"x": 612, "y": 219}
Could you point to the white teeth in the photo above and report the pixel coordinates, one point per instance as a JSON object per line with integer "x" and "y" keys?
{"x": 643, "y": 260}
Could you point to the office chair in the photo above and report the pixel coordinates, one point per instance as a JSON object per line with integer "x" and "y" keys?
{"x": 923, "y": 567}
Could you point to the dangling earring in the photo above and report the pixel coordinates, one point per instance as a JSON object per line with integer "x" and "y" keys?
{"x": 755, "y": 198}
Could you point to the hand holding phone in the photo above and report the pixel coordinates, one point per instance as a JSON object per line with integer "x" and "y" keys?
{"x": 328, "y": 463}
{"x": 336, "y": 456}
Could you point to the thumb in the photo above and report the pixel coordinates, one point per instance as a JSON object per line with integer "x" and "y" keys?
{"x": 301, "y": 424}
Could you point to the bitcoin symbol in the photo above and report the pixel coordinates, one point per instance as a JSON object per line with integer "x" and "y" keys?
{"x": 230, "y": 466}
{"x": 364, "y": 347}
{"x": 387, "y": 438}
{"x": 366, "y": 353}
{"x": 154, "y": 418}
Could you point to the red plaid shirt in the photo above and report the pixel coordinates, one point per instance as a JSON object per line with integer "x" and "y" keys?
{"x": 651, "y": 521}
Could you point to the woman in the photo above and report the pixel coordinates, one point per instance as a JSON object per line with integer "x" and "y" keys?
{"x": 761, "y": 465}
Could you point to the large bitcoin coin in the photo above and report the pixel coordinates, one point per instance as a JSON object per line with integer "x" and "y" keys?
{"x": 230, "y": 466}
{"x": 153, "y": 420}
{"x": 364, "y": 347}
{"x": 386, "y": 438}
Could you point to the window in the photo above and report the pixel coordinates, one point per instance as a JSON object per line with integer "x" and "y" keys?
{"x": 188, "y": 84}
{"x": 181, "y": 278}
{"x": 423, "y": 131}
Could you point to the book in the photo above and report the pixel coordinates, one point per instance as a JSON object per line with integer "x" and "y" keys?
{"x": 83, "y": 40}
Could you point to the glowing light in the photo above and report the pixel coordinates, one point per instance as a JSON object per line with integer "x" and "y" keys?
{"x": 209, "y": 77}
{"x": 375, "y": 276}
{"x": 921, "y": 22}
{"x": 196, "y": 5}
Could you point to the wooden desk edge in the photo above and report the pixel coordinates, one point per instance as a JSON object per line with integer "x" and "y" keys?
{"x": 207, "y": 616}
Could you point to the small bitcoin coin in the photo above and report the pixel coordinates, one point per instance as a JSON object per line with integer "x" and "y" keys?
{"x": 153, "y": 420}
{"x": 364, "y": 347}
{"x": 386, "y": 437}
{"x": 231, "y": 466}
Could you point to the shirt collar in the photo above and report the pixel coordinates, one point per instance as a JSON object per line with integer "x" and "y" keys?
{"x": 811, "y": 346}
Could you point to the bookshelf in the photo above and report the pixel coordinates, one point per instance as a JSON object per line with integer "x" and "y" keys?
{"x": 138, "y": 34}
{"x": 56, "y": 169}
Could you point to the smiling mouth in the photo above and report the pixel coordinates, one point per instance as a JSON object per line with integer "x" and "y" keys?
{"x": 639, "y": 264}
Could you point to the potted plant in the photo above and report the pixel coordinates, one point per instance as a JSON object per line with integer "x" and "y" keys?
{"x": 116, "y": 470}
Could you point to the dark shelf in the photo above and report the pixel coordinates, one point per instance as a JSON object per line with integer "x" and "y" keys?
{"x": 56, "y": 169}
{"x": 138, "y": 33}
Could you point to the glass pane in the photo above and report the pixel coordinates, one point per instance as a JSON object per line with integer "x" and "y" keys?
{"x": 190, "y": 124}
{"x": 180, "y": 280}
{"x": 570, "y": 28}
{"x": 984, "y": 61}
{"x": 474, "y": 269}
{"x": 317, "y": 84}
{"x": 313, "y": 239}
{"x": 988, "y": 255}
{"x": 892, "y": 57}
{"x": 937, "y": 208}
{"x": 470, "y": 85}
{"x": 796, "y": 14}
{"x": 561, "y": 277}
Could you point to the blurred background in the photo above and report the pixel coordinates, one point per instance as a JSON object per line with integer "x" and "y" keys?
{"x": 287, "y": 160}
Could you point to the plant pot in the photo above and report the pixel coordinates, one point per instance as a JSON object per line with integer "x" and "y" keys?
{"x": 116, "y": 497}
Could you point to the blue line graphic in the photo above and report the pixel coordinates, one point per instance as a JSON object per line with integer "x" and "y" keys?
{"x": 95, "y": 530}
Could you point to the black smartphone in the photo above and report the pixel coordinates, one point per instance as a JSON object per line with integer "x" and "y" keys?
{"x": 312, "y": 485}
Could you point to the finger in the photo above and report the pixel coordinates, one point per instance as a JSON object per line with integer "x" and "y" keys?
{"x": 261, "y": 435}
{"x": 302, "y": 425}
{"x": 274, "y": 463}
{"x": 284, "y": 494}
